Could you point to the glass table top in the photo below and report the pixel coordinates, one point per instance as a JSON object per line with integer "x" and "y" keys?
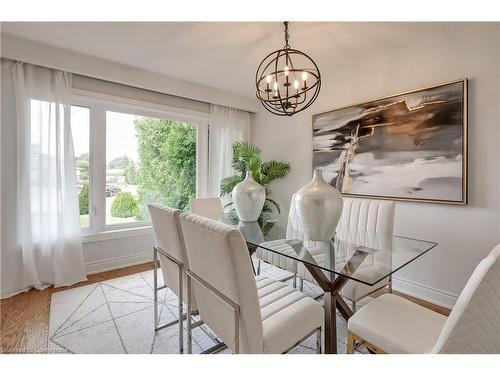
{"x": 364, "y": 256}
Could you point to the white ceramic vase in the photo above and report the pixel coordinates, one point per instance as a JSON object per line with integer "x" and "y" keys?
{"x": 248, "y": 198}
{"x": 319, "y": 207}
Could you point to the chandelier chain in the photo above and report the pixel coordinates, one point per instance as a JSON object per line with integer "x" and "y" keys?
{"x": 287, "y": 35}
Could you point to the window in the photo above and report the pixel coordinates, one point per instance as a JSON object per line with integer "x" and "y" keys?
{"x": 80, "y": 130}
{"x": 147, "y": 160}
{"x": 129, "y": 154}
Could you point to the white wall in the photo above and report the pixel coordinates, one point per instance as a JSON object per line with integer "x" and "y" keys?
{"x": 465, "y": 234}
{"x": 103, "y": 255}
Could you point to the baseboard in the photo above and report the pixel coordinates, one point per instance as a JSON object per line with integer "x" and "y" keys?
{"x": 427, "y": 293}
{"x": 118, "y": 262}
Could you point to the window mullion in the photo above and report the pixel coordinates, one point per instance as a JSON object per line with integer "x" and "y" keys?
{"x": 98, "y": 160}
{"x": 202, "y": 159}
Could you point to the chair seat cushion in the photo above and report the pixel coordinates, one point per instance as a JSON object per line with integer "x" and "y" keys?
{"x": 397, "y": 325}
{"x": 288, "y": 315}
{"x": 355, "y": 290}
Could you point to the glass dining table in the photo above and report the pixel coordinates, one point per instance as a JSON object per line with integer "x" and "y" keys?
{"x": 352, "y": 255}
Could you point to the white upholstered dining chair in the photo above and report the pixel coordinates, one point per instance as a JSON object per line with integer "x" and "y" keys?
{"x": 250, "y": 314}
{"x": 392, "y": 324}
{"x": 207, "y": 207}
{"x": 170, "y": 252}
{"x": 277, "y": 260}
{"x": 372, "y": 217}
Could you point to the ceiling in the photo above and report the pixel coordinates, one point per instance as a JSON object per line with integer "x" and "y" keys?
{"x": 224, "y": 55}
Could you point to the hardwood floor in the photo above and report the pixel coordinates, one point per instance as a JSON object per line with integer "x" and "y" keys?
{"x": 24, "y": 319}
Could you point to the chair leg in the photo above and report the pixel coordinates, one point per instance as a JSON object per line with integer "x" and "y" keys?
{"x": 155, "y": 288}
{"x": 258, "y": 267}
{"x": 389, "y": 286}
{"x": 318, "y": 341}
{"x": 295, "y": 281}
{"x": 188, "y": 322}
{"x": 351, "y": 341}
{"x": 354, "y": 306}
{"x": 181, "y": 325}
{"x": 301, "y": 284}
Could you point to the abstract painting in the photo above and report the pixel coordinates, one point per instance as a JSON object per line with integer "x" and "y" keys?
{"x": 410, "y": 146}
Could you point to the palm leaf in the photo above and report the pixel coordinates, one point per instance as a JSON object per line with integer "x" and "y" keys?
{"x": 275, "y": 170}
{"x": 266, "y": 208}
{"x": 274, "y": 203}
{"x": 246, "y": 151}
{"x": 244, "y": 154}
{"x": 239, "y": 166}
{"x": 227, "y": 184}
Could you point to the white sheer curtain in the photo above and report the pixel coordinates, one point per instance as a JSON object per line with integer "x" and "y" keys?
{"x": 227, "y": 125}
{"x": 47, "y": 201}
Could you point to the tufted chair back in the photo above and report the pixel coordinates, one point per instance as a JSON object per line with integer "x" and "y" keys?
{"x": 169, "y": 238}
{"x": 293, "y": 231}
{"x": 474, "y": 323}
{"x": 368, "y": 214}
{"x": 218, "y": 254}
{"x": 370, "y": 223}
{"x": 374, "y": 218}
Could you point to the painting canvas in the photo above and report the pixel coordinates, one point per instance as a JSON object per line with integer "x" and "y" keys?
{"x": 410, "y": 146}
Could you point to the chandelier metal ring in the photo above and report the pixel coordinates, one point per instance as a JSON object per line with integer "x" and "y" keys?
{"x": 277, "y": 80}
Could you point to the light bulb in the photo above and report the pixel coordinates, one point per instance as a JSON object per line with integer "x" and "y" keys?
{"x": 275, "y": 85}
{"x": 304, "y": 76}
{"x": 268, "y": 78}
{"x": 296, "y": 84}
{"x": 287, "y": 70}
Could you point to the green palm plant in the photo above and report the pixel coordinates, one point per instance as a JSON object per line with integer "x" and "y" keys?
{"x": 248, "y": 157}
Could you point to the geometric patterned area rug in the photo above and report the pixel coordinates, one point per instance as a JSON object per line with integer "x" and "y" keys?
{"x": 116, "y": 316}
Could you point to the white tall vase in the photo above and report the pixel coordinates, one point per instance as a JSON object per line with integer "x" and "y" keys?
{"x": 319, "y": 207}
{"x": 248, "y": 198}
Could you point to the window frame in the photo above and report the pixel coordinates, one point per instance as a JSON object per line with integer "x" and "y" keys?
{"x": 88, "y": 229}
{"x": 99, "y": 104}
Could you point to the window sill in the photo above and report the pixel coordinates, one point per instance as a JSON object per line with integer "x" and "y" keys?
{"x": 116, "y": 234}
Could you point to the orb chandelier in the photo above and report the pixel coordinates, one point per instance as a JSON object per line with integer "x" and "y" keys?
{"x": 287, "y": 80}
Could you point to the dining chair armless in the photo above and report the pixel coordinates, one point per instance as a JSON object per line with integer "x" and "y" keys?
{"x": 372, "y": 217}
{"x": 292, "y": 233}
{"x": 170, "y": 252}
{"x": 249, "y": 314}
{"x": 392, "y": 324}
{"x": 207, "y": 207}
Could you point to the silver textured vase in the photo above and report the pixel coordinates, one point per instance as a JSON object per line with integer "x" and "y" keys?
{"x": 248, "y": 198}
{"x": 319, "y": 207}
